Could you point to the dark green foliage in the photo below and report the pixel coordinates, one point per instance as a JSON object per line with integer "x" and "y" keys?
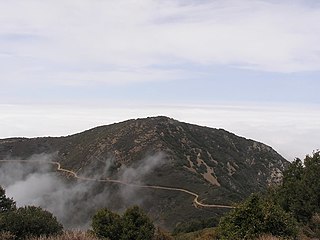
{"x": 300, "y": 193}
{"x": 298, "y": 196}
{"x": 107, "y": 224}
{"x": 255, "y": 217}
{"x": 292, "y": 195}
{"x": 133, "y": 225}
{"x": 6, "y": 204}
{"x": 30, "y": 221}
{"x": 136, "y": 225}
{"x": 311, "y": 179}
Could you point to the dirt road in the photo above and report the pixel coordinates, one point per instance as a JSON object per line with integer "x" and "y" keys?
{"x": 196, "y": 201}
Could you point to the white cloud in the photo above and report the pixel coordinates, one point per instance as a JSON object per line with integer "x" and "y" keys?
{"x": 292, "y": 130}
{"x": 48, "y": 40}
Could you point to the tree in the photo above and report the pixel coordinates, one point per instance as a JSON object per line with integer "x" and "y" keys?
{"x": 107, "y": 224}
{"x": 300, "y": 191}
{"x": 30, "y": 221}
{"x": 311, "y": 179}
{"x": 136, "y": 225}
{"x": 255, "y": 217}
{"x": 6, "y": 204}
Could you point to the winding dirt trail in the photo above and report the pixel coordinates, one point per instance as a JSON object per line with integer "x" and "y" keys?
{"x": 196, "y": 201}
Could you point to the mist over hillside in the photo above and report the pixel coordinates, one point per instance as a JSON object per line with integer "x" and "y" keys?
{"x": 37, "y": 183}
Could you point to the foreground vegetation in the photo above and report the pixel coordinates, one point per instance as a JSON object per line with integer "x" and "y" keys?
{"x": 289, "y": 211}
{"x": 69, "y": 235}
{"x": 133, "y": 224}
{"x": 24, "y": 222}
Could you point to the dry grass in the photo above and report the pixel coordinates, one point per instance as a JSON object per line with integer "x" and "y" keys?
{"x": 161, "y": 235}
{"x": 6, "y": 236}
{"x": 268, "y": 237}
{"x": 70, "y": 235}
{"x": 205, "y": 234}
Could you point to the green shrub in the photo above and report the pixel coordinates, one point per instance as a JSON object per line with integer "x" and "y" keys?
{"x": 30, "y": 221}
{"x": 254, "y": 217}
{"x": 134, "y": 224}
{"x": 107, "y": 224}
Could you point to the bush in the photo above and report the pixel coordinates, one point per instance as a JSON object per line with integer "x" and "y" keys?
{"x": 30, "y": 221}
{"x": 134, "y": 224}
{"x": 255, "y": 217}
{"x": 107, "y": 224}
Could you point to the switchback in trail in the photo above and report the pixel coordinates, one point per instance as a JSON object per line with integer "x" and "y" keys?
{"x": 75, "y": 175}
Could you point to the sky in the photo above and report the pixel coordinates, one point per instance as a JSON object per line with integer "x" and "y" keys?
{"x": 251, "y": 67}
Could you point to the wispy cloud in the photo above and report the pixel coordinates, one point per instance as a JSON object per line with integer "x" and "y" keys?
{"x": 64, "y": 198}
{"x": 122, "y": 41}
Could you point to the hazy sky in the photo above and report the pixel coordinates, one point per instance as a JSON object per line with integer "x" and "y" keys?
{"x": 249, "y": 66}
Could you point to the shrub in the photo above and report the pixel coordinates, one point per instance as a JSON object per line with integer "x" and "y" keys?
{"x": 134, "y": 224}
{"x": 255, "y": 217}
{"x": 107, "y": 224}
{"x": 30, "y": 221}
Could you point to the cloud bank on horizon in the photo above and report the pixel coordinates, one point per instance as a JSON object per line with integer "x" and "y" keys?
{"x": 292, "y": 131}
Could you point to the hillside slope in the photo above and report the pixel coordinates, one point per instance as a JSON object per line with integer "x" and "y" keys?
{"x": 221, "y": 167}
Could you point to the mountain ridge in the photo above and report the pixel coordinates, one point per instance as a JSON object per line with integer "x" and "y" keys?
{"x": 220, "y": 166}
